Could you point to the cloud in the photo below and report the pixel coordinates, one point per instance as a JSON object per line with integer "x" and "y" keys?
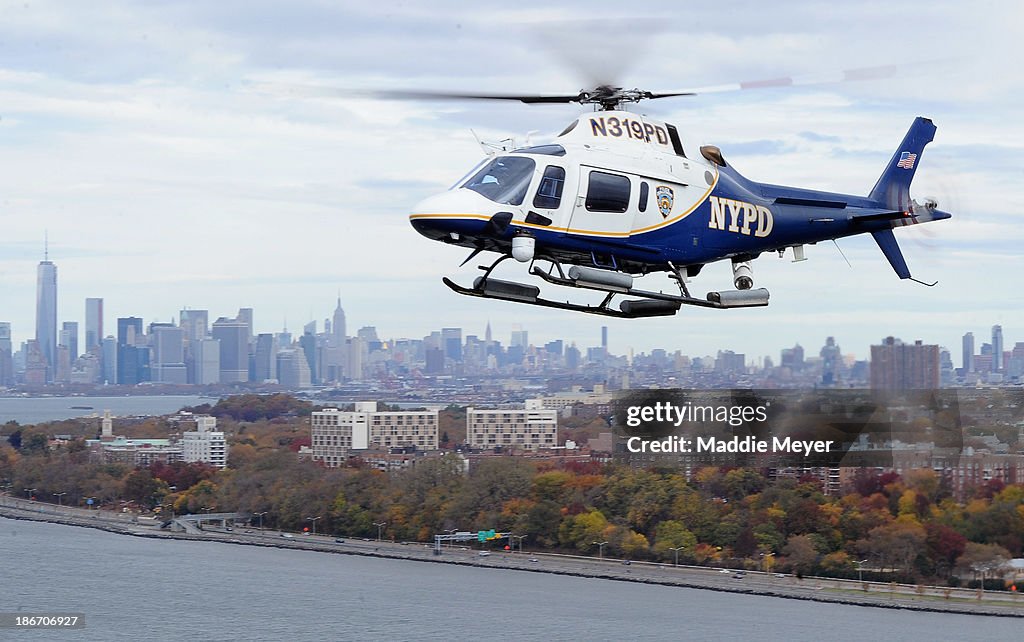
{"x": 132, "y": 132}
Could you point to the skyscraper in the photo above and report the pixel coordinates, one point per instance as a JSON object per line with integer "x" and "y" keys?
{"x": 195, "y": 324}
{"x": 245, "y": 316}
{"x": 69, "y": 338}
{"x": 6, "y": 355}
{"x": 968, "y": 352}
{"x": 93, "y": 324}
{"x": 335, "y": 359}
{"x": 46, "y": 312}
{"x": 132, "y": 358}
{"x": 451, "y": 343}
{"x": 292, "y": 368}
{"x": 233, "y": 335}
{"x": 308, "y": 343}
{"x": 206, "y": 355}
{"x": 338, "y": 327}
{"x": 266, "y": 358}
{"x": 168, "y": 344}
{"x": 109, "y": 360}
{"x": 195, "y": 327}
{"x": 899, "y": 366}
{"x": 997, "y": 348}
{"x": 831, "y": 362}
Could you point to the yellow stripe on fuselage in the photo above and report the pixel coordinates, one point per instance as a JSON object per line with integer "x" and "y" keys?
{"x": 570, "y": 230}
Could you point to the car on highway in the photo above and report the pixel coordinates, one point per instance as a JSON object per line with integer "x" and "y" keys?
{"x": 287, "y": 535}
{"x": 338, "y": 540}
{"x": 484, "y": 554}
{"x": 534, "y": 559}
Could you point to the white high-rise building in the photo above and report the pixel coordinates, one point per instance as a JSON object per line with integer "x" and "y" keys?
{"x": 205, "y": 443}
{"x": 528, "y": 429}
{"x": 336, "y": 433}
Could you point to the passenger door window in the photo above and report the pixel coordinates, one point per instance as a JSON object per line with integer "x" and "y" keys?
{"x": 607, "y": 192}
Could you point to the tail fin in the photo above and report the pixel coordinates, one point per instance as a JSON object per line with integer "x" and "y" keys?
{"x": 887, "y": 243}
{"x": 893, "y": 186}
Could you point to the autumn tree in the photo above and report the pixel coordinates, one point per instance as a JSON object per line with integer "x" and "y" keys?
{"x": 801, "y": 555}
{"x": 673, "y": 534}
{"x": 895, "y": 545}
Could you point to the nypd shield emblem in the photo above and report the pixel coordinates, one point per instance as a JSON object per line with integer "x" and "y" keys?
{"x": 665, "y": 200}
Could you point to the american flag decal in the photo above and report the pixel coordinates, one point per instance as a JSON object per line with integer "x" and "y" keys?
{"x": 906, "y": 160}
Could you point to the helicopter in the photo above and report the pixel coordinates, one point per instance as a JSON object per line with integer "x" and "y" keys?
{"x": 616, "y": 196}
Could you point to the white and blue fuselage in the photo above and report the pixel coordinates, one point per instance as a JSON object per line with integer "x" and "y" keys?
{"x": 618, "y": 191}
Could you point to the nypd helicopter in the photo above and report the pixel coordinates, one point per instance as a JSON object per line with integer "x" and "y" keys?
{"x": 616, "y": 196}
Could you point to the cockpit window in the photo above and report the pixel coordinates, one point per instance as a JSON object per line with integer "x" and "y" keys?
{"x": 504, "y": 180}
{"x": 549, "y": 192}
{"x": 476, "y": 168}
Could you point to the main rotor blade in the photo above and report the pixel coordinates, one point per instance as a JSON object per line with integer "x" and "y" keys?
{"x": 444, "y": 95}
{"x": 323, "y": 91}
{"x": 823, "y": 78}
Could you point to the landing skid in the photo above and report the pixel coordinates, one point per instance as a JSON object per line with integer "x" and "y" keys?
{"x": 602, "y": 309}
{"x": 649, "y": 304}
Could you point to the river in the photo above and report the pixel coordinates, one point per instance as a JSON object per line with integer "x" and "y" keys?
{"x": 131, "y": 588}
{"x": 33, "y": 410}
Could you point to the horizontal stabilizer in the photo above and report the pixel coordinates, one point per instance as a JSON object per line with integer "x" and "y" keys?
{"x": 881, "y": 216}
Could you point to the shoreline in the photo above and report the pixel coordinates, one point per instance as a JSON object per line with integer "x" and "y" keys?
{"x": 809, "y": 589}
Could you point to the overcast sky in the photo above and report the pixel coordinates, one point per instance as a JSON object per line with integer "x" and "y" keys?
{"x": 141, "y": 136}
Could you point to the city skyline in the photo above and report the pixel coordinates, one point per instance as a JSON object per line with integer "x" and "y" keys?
{"x": 233, "y": 350}
{"x": 138, "y": 136}
{"x": 195, "y": 328}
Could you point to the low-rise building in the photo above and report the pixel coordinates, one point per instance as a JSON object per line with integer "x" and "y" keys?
{"x": 136, "y": 452}
{"x": 205, "y": 444}
{"x": 119, "y": 449}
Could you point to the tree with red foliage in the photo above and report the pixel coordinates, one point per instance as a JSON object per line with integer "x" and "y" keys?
{"x": 182, "y": 475}
{"x": 944, "y": 545}
{"x": 990, "y": 489}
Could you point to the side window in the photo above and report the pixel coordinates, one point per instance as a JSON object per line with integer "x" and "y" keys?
{"x": 644, "y": 189}
{"x": 607, "y": 192}
{"x": 549, "y": 192}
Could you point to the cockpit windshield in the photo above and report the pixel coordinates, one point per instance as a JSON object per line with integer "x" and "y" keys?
{"x": 504, "y": 180}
